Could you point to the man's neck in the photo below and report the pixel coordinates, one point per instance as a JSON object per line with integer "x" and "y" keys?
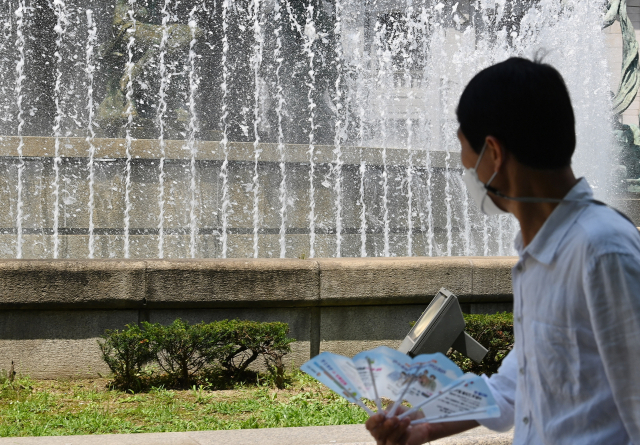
{"x": 538, "y": 184}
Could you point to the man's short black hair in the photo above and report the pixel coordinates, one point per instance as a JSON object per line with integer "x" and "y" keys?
{"x": 526, "y": 106}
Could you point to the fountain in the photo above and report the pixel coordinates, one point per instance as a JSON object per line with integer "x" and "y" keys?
{"x": 266, "y": 128}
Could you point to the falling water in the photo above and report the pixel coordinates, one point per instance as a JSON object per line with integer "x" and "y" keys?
{"x": 485, "y": 235}
{"x": 162, "y": 109}
{"x": 90, "y": 69}
{"x": 192, "y": 131}
{"x": 340, "y": 124}
{"x": 280, "y": 103}
{"x": 384, "y": 59}
{"x": 377, "y": 85}
{"x": 256, "y": 62}
{"x": 310, "y": 37}
{"x": 363, "y": 209}
{"x": 61, "y": 22}
{"x": 20, "y": 77}
{"x": 224, "y": 173}
{"x": 425, "y": 123}
{"x": 7, "y": 63}
{"x": 465, "y": 49}
{"x": 408, "y": 84}
{"x": 362, "y": 170}
{"x": 128, "y": 127}
{"x": 439, "y": 51}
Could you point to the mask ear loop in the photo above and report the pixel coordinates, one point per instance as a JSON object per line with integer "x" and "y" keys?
{"x": 487, "y": 186}
{"x": 484, "y": 147}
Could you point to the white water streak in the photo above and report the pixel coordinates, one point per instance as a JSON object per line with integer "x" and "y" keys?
{"x": 310, "y": 36}
{"x": 194, "y": 82}
{"x": 128, "y": 138}
{"x": 61, "y": 22}
{"x": 224, "y": 173}
{"x": 20, "y": 77}
{"x": 90, "y": 69}
{"x": 408, "y": 85}
{"x": 280, "y": 103}
{"x": 339, "y": 126}
{"x": 428, "y": 125}
{"x": 384, "y": 62}
{"x": 162, "y": 109}
{"x": 256, "y": 61}
{"x": 362, "y": 170}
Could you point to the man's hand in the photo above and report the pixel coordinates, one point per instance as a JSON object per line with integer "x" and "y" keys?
{"x": 393, "y": 431}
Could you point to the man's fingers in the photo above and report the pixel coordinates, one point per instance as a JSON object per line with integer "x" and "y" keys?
{"x": 397, "y": 431}
{"x": 388, "y": 431}
{"x": 374, "y": 421}
{"x": 375, "y": 425}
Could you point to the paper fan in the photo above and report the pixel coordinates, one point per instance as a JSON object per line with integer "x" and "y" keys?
{"x": 431, "y": 383}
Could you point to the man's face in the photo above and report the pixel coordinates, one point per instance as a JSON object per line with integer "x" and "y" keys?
{"x": 469, "y": 159}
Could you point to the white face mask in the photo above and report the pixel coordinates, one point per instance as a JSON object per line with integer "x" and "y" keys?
{"x": 478, "y": 190}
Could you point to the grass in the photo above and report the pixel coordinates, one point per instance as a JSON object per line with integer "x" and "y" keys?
{"x": 54, "y": 407}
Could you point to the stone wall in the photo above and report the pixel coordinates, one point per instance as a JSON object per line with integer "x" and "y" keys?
{"x": 53, "y": 312}
{"x": 109, "y": 209}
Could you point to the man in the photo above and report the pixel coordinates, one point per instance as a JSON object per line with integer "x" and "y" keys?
{"x": 570, "y": 378}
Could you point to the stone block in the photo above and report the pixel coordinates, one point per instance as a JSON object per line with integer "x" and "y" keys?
{"x": 231, "y": 282}
{"x": 491, "y": 277}
{"x": 383, "y": 280}
{"x": 57, "y": 344}
{"x": 143, "y": 246}
{"x": 8, "y": 247}
{"x": 487, "y": 308}
{"x": 352, "y": 329}
{"x": 34, "y": 246}
{"x": 81, "y": 284}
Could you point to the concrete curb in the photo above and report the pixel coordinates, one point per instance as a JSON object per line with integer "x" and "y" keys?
{"x": 313, "y": 435}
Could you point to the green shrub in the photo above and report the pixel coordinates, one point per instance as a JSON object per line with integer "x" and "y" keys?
{"x": 249, "y": 340}
{"x": 183, "y": 349}
{"x": 126, "y": 352}
{"x": 494, "y": 332}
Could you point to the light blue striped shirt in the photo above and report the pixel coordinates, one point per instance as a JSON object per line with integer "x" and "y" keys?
{"x": 573, "y": 376}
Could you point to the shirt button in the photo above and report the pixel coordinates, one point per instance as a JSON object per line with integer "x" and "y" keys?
{"x": 522, "y": 371}
{"x": 519, "y": 267}
{"x": 525, "y": 420}
{"x": 519, "y": 319}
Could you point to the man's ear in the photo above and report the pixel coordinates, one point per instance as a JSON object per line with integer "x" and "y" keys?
{"x": 496, "y": 152}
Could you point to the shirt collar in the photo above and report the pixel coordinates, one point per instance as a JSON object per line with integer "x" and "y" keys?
{"x": 545, "y": 244}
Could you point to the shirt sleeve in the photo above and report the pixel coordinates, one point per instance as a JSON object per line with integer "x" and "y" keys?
{"x": 503, "y": 389}
{"x": 613, "y": 300}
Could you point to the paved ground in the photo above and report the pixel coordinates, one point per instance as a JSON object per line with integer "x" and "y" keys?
{"x": 315, "y": 435}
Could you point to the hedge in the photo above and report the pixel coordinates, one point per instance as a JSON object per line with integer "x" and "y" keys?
{"x": 494, "y": 332}
{"x": 183, "y": 350}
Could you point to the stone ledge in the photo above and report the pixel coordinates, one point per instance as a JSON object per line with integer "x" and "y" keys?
{"x": 43, "y": 284}
{"x": 231, "y": 282}
{"x": 210, "y": 283}
{"x": 74, "y": 147}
